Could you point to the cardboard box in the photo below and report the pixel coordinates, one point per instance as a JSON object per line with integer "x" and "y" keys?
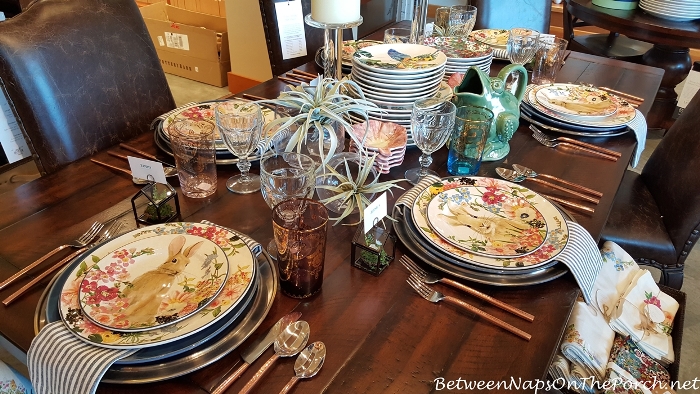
{"x": 189, "y": 44}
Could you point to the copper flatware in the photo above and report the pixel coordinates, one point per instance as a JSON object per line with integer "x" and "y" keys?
{"x": 435, "y": 296}
{"x": 628, "y": 97}
{"x": 569, "y": 204}
{"x": 511, "y": 175}
{"x": 300, "y": 76}
{"x": 297, "y": 71}
{"x": 252, "y": 97}
{"x": 554, "y": 144}
{"x": 80, "y": 242}
{"x": 108, "y": 234}
{"x": 289, "y": 80}
{"x": 575, "y": 142}
{"x": 427, "y": 277}
{"x": 256, "y": 349}
{"x": 530, "y": 173}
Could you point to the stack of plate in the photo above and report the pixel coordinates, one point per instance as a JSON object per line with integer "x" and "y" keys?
{"x": 486, "y": 230}
{"x": 462, "y": 53}
{"x": 497, "y": 39}
{"x": 394, "y": 76}
{"x": 202, "y": 111}
{"x": 676, "y": 10}
{"x": 576, "y": 110}
{"x": 385, "y": 140}
{"x": 214, "y": 301}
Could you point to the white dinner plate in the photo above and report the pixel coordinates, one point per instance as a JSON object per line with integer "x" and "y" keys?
{"x": 399, "y": 59}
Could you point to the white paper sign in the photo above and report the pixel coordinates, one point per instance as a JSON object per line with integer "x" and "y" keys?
{"x": 11, "y": 137}
{"x": 142, "y": 168}
{"x": 290, "y": 22}
{"x": 375, "y": 212}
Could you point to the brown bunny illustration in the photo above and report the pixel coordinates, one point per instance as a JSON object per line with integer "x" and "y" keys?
{"x": 148, "y": 290}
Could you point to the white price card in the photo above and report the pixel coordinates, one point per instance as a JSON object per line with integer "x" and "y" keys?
{"x": 290, "y": 23}
{"x": 375, "y": 212}
{"x": 147, "y": 169}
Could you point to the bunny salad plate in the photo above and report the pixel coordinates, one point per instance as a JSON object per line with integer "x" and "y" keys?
{"x": 156, "y": 284}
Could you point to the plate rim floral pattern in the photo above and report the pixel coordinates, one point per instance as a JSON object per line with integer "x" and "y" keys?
{"x": 242, "y": 268}
{"x": 475, "y": 50}
{"x": 486, "y": 36}
{"x": 543, "y": 100}
{"x": 442, "y": 228}
{"x": 557, "y": 234}
{"x": 107, "y": 286}
{"x": 625, "y": 112}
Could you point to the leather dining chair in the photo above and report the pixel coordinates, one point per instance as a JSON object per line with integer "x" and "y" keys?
{"x": 507, "y": 14}
{"x": 656, "y": 214}
{"x": 79, "y": 76}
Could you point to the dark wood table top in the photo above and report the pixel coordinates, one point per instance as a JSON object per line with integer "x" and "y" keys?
{"x": 638, "y": 24}
{"x": 381, "y": 336}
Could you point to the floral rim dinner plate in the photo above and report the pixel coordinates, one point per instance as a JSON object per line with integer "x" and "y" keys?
{"x": 557, "y": 230}
{"x": 576, "y": 101}
{"x": 239, "y": 282}
{"x": 460, "y": 47}
{"x": 625, "y": 112}
{"x": 399, "y": 58}
{"x": 152, "y": 282}
{"x": 205, "y": 111}
{"x": 497, "y": 38}
{"x": 487, "y": 222}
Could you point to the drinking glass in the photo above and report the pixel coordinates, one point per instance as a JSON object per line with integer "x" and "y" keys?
{"x": 432, "y": 121}
{"x": 302, "y": 245}
{"x": 472, "y": 126}
{"x": 283, "y": 176}
{"x": 193, "y": 146}
{"x": 461, "y": 20}
{"x": 548, "y": 59}
{"x": 396, "y": 35}
{"x": 240, "y": 125}
{"x": 442, "y": 17}
{"x": 522, "y": 45}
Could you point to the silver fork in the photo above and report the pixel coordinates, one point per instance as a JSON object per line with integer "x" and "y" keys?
{"x": 112, "y": 231}
{"x": 545, "y": 137}
{"x": 435, "y": 296}
{"x": 78, "y": 243}
{"x": 553, "y": 144}
{"x": 427, "y": 277}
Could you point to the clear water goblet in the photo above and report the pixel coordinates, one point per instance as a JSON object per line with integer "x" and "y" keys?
{"x": 240, "y": 125}
{"x": 522, "y": 46}
{"x": 432, "y": 122}
{"x": 284, "y": 176}
{"x": 461, "y": 20}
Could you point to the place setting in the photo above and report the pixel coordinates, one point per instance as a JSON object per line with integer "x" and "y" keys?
{"x": 151, "y": 304}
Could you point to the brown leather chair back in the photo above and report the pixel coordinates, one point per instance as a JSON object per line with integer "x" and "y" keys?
{"x": 80, "y": 75}
{"x": 672, "y": 175}
{"x": 506, "y": 14}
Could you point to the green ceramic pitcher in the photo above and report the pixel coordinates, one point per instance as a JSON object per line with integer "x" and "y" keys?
{"x": 477, "y": 88}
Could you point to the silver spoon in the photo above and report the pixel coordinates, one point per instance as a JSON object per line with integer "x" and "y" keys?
{"x": 308, "y": 364}
{"x": 530, "y": 173}
{"x": 513, "y": 176}
{"x": 517, "y": 178}
{"x": 289, "y": 343}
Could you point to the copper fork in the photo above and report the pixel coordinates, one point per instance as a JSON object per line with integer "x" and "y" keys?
{"x": 435, "y": 296}
{"x": 544, "y": 136}
{"x": 553, "y": 144}
{"x": 83, "y": 240}
{"x": 108, "y": 234}
{"x": 427, "y": 277}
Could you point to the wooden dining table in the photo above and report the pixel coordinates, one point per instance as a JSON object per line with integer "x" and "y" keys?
{"x": 380, "y": 335}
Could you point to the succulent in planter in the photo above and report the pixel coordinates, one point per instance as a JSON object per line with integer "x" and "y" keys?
{"x": 319, "y": 107}
{"x": 348, "y": 186}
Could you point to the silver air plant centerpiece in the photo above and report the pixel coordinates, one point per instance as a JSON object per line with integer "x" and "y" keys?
{"x": 316, "y": 117}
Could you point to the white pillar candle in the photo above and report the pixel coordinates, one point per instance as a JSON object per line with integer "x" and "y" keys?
{"x": 335, "y": 11}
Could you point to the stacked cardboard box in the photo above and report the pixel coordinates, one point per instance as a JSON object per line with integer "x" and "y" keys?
{"x": 190, "y": 44}
{"x": 211, "y": 7}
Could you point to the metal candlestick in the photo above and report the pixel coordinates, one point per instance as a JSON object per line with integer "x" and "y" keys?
{"x": 332, "y": 45}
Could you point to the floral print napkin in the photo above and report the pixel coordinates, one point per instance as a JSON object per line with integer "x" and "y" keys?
{"x": 588, "y": 340}
{"x": 629, "y": 364}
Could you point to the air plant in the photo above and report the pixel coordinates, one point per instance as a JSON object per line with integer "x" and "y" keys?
{"x": 352, "y": 192}
{"x": 318, "y": 106}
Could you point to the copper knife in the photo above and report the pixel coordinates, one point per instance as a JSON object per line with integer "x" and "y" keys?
{"x": 256, "y": 349}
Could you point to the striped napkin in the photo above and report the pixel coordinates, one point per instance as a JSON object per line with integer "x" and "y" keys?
{"x": 639, "y": 126}
{"x": 409, "y": 197}
{"x": 61, "y": 363}
{"x": 582, "y": 257}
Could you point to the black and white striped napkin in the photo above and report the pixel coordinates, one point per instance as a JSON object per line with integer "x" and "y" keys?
{"x": 409, "y": 197}
{"x": 60, "y": 363}
{"x": 582, "y": 257}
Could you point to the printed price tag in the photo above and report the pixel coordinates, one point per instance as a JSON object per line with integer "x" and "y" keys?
{"x": 142, "y": 168}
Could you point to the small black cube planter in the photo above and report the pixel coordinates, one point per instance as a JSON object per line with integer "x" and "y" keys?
{"x": 155, "y": 203}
